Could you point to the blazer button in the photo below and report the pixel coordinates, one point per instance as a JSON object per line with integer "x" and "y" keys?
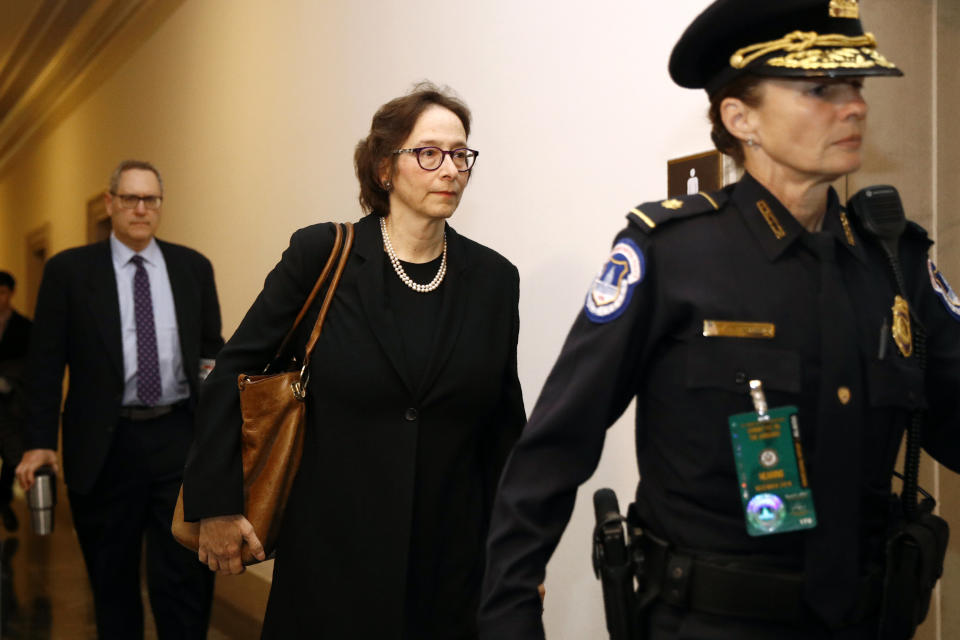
{"x": 410, "y": 414}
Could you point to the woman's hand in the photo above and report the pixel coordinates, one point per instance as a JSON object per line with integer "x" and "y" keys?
{"x": 33, "y": 460}
{"x": 221, "y": 540}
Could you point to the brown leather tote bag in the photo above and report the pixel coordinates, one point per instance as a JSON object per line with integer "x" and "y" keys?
{"x": 272, "y": 433}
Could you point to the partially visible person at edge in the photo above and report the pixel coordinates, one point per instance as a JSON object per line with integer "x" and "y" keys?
{"x": 137, "y": 322}
{"x": 769, "y": 279}
{"x": 414, "y": 401}
{"x": 14, "y": 335}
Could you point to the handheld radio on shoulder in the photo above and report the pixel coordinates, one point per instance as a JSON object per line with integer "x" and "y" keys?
{"x": 880, "y": 211}
{"x": 917, "y": 539}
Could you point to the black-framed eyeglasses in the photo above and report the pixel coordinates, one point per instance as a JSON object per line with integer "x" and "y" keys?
{"x": 430, "y": 158}
{"x": 130, "y": 201}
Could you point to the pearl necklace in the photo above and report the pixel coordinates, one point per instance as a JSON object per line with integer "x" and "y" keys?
{"x": 398, "y": 268}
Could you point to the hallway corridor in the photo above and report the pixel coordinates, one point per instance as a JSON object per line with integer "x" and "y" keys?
{"x": 45, "y": 593}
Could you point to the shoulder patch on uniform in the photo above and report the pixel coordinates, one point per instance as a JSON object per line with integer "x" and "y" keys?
{"x": 648, "y": 216}
{"x": 943, "y": 290}
{"x": 613, "y": 287}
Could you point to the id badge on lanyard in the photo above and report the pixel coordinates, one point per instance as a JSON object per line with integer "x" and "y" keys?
{"x": 773, "y": 482}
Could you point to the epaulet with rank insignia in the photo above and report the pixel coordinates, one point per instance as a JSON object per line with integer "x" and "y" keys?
{"x": 650, "y": 215}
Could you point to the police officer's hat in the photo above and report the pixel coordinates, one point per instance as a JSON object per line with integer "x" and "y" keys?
{"x": 792, "y": 38}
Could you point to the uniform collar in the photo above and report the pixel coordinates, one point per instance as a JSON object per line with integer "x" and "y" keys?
{"x": 774, "y": 226}
{"x": 838, "y": 223}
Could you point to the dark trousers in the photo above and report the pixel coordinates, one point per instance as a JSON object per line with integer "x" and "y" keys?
{"x": 6, "y": 481}
{"x": 11, "y": 447}
{"x": 132, "y": 500}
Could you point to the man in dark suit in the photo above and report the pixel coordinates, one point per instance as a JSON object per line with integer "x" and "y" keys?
{"x": 138, "y": 322}
{"x": 14, "y": 333}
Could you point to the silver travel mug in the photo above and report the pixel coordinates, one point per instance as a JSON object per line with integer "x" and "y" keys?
{"x": 42, "y": 498}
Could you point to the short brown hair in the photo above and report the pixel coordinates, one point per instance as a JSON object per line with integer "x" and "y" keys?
{"x": 391, "y": 125}
{"x": 747, "y": 89}
{"x": 127, "y": 165}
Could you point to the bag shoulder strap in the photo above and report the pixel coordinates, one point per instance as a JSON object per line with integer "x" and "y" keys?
{"x": 334, "y": 253}
{"x": 327, "y": 300}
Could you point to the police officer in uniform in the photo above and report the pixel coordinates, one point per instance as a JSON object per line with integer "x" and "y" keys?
{"x": 770, "y": 351}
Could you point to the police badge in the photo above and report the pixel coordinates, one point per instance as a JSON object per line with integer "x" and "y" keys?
{"x": 901, "y": 326}
{"x": 613, "y": 286}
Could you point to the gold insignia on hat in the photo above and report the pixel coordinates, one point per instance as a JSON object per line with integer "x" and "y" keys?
{"x": 901, "y": 326}
{"x": 771, "y": 219}
{"x": 844, "y": 9}
{"x": 819, "y": 59}
{"x": 797, "y": 42}
{"x": 847, "y": 231}
{"x": 672, "y": 203}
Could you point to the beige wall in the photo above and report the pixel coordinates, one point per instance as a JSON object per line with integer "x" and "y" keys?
{"x": 252, "y": 109}
{"x": 947, "y": 224}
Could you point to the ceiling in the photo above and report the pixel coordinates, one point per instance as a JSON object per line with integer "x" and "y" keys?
{"x": 54, "y": 52}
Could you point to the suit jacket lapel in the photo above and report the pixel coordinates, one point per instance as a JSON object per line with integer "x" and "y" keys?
{"x": 105, "y": 302}
{"x": 452, "y": 310}
{"x": 369, "y": 248}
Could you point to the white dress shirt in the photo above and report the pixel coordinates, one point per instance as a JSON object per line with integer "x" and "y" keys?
{"x": 173, "y": 381}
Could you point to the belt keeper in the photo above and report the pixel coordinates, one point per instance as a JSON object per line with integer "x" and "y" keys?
{"x": 676, "y": 580}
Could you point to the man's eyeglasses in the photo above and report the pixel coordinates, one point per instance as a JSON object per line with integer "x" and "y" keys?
{"x": 430, "y": 158}
{"x": 130, "y": 201}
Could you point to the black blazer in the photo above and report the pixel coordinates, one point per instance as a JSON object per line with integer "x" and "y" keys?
{"x": 13, "y": 351}
{"x": 77, "y": 324}
{"x": 13, "y": 344}
{"x": 347, "y": 532}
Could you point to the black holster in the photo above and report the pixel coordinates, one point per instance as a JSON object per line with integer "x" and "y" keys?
{"x": 915, "y": 549}
{"x": 614, "y": 563}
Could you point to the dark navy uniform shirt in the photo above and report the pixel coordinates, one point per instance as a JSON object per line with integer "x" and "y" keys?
{"x": 733, "y": 255}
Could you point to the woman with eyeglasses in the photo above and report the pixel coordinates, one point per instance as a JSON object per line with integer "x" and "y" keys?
{"x": 414, "y": 401}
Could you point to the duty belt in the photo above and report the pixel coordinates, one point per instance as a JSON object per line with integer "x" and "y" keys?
{"x": 735, "y": 588}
